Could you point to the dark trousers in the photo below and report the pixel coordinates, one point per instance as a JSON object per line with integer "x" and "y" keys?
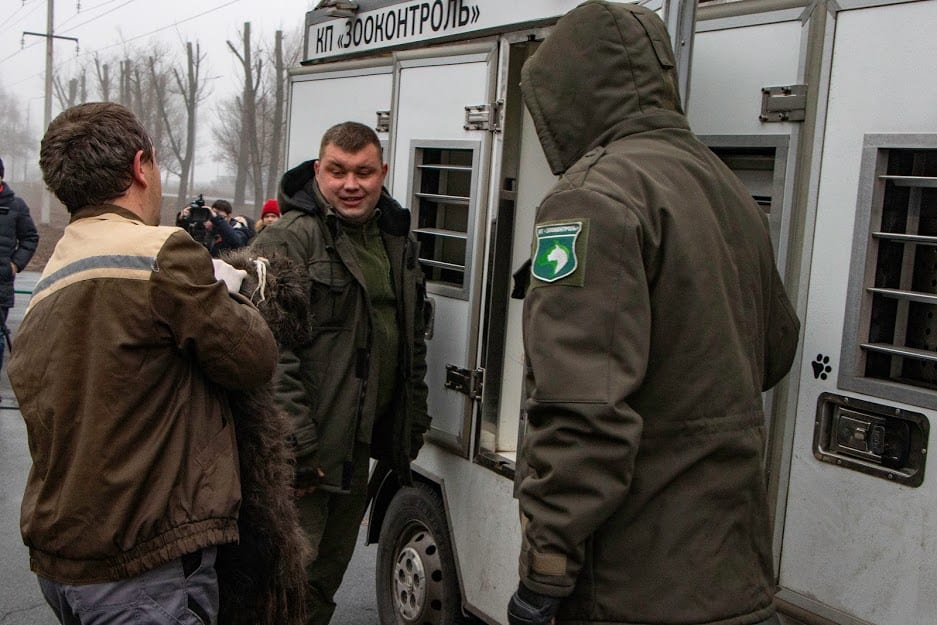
{"x": 4, "y": 312}
{"x": 181, "y": 592}
{"x": 331, "y": 520}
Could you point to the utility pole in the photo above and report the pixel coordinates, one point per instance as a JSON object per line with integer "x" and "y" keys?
{"x": 47, "y": 113}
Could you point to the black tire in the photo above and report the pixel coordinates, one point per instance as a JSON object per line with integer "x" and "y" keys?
{"x": 416, "y": 578}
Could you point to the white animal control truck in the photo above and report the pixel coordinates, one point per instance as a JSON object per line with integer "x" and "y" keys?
{"x": 827, "y": 110}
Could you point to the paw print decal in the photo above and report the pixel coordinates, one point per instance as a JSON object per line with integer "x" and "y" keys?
{"x": 821, "y": 367}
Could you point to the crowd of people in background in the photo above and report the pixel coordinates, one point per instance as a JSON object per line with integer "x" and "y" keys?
{"x": 218, "y": 229}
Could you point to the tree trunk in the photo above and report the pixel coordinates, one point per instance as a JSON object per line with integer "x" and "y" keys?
{"x": 279, "y": 106}
{"x": 190, "y": 91}
{"x": 248, "y": 121}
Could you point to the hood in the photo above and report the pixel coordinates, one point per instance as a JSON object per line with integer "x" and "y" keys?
{"x": 300, "y": 192}
{"x": 606, "y": 70}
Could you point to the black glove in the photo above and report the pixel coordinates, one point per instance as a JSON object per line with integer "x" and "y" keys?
{"x": 530, "y": 608}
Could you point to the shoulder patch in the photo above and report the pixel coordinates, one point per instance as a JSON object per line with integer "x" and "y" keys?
{"x": 559, "y": 253}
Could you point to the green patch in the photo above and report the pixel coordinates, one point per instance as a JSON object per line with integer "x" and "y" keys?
{"x": 559, "y": 254}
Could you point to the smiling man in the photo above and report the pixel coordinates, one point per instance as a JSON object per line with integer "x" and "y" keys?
{"x": 356, "y": 390}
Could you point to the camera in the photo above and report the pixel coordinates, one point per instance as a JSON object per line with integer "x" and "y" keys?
{"x": 194, "y": 223}
{"x": 197, "y": 210}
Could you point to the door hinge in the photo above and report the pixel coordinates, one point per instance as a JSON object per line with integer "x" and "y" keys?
{"x": 784, "y": 104}
{"x": 383, "y": 121}
{"x": 483, "y": 117}
{"x": 469, "y": 382}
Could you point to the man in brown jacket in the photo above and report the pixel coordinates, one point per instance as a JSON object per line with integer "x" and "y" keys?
{"x": 654, "y": 320}
{"x": 122, "y": 372}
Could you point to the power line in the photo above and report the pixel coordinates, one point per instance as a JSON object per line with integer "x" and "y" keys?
{"x": 11, "y": 25}
{"x": 126, "y": 41}
{"x": 102, "y": 15}
{"x": 173, "y": 25}
{"x": 86, "y": 11}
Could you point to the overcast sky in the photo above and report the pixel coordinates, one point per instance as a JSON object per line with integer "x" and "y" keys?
{"x": 105, "y": 26}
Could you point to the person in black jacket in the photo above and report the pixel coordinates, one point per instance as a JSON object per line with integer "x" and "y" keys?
{"x": 18, "y": 241}
{"x": 219, "y": 232}
{"x": 229, "y": 233}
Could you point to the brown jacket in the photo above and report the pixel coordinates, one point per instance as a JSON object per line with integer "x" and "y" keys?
{"x": 122, "y": 368}
{"x": 654, "y": 321}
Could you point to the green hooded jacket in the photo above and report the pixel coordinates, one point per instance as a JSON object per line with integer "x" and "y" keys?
{"x": 329, "y": 387}
{"x": 654, "y": 320}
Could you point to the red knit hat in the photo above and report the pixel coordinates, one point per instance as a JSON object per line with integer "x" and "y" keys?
{"x": 270, "y": 206}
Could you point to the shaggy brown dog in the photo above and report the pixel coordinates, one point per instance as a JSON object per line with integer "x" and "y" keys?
{"x": 262, "y": 579}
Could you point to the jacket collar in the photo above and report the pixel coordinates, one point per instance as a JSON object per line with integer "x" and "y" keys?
{"x": 299, "y": 191}
{"x": 103, "y": 209}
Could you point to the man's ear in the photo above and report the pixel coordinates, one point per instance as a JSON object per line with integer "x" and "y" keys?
{"x": 138, "y": 174}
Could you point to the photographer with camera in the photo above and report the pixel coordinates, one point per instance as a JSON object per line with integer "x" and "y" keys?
{"x": 213, "y": 227}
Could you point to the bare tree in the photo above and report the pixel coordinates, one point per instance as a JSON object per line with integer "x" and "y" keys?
{"x": 67, "y": 97}
{"x": 18, "y": 146}
{"x": 126, "y": 71}
{"x": 190, "y": 88}
{"x": 103, "y": 74}
{"x": 258, "y": 169}
{"x": 274, "y": 159}
{"x": 249, "y": 150}
{"x": 226, "y": 132}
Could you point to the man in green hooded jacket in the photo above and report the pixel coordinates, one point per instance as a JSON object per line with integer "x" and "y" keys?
{"x": 356, "y": 389}
{"x": 654, "y": 320}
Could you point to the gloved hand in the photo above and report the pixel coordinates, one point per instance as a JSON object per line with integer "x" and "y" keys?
{"x": 530, "y": 608}
{"x": 229, "y": 275}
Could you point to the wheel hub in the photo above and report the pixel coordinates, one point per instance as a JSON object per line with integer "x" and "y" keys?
{"x": 416, "y": 575}
{"x": 409, "y": 584}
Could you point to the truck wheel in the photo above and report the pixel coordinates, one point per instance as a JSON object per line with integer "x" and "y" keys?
{"x": 416, "y": 575}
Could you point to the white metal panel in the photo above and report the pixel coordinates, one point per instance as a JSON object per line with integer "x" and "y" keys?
{"x": 430, "y": 107}
{"x": 860, "y": 544}
{"x": 731, "y": 66}
{"x": 484, "y": 527}
{"x": 319, "y": 101}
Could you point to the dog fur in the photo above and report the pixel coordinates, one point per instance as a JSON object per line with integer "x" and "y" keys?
{"x": 262, "y": 579}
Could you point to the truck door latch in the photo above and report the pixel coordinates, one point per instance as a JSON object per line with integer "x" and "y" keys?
{"x": 466, "y": 381}
{"x": 784, "y": 104}
{"x": 483, "y": 117}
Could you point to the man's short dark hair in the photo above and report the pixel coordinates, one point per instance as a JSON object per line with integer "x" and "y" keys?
{"x": 87, "y": 153}
{"x": 222, "y": 205}
{"x": 350, "y": 137}
{"x": 1, "y": 169}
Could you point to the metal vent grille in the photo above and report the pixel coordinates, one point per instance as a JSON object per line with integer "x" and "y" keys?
{"x": 902, "y": 338}
{"x": 443, "y": 198}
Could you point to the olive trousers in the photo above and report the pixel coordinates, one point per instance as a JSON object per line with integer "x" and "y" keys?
{"x": 331, "y": 521}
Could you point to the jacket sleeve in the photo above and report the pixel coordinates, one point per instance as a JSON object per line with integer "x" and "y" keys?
{"x": 295, "y": 391}
{"x": 294, "y": 395}
{"x": 231, "y": 237}
{"x": 586, "y": 338}
{"x": 781, "y": 335}
{"x": 27, "y": 238}
{"x": 225, "y": 334}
